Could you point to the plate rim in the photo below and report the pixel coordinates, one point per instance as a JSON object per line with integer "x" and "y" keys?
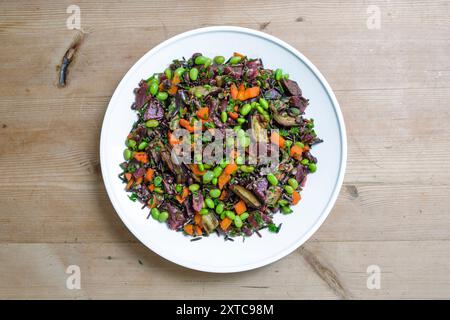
{"x": 343, "y": 160}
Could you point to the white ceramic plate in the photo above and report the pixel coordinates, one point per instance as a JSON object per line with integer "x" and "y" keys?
{"x": 213, "y": 254}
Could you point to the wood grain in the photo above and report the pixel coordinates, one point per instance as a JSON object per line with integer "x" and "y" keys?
{"x": 393, "y": 85}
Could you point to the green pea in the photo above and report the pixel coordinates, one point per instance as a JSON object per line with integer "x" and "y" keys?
{"x": 304, "y": 161}
{"x": 168, "y": 73}
{"x": 193, "y": 74}
{"x": 207, "y": 63}
{"x": 237, "y": 222}
{"x": 200, "y": 60}
{"x": 155, "y": 213}
{"x": 194, "y": 187}
{"x": 244, "y": 216}
{"x": 240, "y": 120}
{"x": 278, "y": 74}
{"x": 214, "y": 181}
{"x": 214, "y": 193}
{"x": 246, "y": 108}
{"x": 127, "y": 154}
{"x": 201, "y": 167}
{"x": 204, "y": 211}
{"x": 264, "y": 103}
{"x": 162, "y": 96}
{"x": 209, "y": 203}
{"x": 131, "y": 143}
{"x": 293, "y": 183}
{"x": 219, "y": 59}
{"x": 217, "y": 171}
{"x": 312, "y": 167}
{"x": 143, "y": 145}
{"x": 178, "y": 188}
{"x": 286, "y": 210}
{"x": 272, "y": 179}
{"x": 235, "y": 60}
{"x": 208, "y": 176}
{"x": 179, "y": 71}
{"x": 247, "y": 169}
{"x": 224, "y": 116}
{"x": 219, "y": 208}
{"x": 152, "y": 123}
{"x": 153, "y": 88}
{"x": 163, "y": 216}
{"x": 288, "y": 143}
{"x": 230, "y": 214}
{"x": 289, "y": 190}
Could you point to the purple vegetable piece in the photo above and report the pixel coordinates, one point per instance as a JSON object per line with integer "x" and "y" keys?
{"x": 154, "y": 111}
{"x": 176, "y": 217}
{"x": 291, "y": 87}
{"x": 259, "y": 188}
{"x": 298, "y": 102}
{"x": 139, "y": 173}
{"x": 272, "y": 94}
{"x": 197, "y": 201}
{"x": 141, "y": 96}
{"x": 301, "y": 173}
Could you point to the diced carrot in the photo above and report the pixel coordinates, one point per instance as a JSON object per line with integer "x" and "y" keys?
{"x": 233, "y": 91}
{"x": 197, "y": 219}
{"x": 240, "y": 207}
{"x": 230, "y": 168}
{"x": 225, "y": 223}
{"x": 202, "y": 113}
{"x": 141, "y": 157}
{"x": 185, "y": 124}
{"x": 250, "y": 93}
{"x": 151, "y": 187}
{"x": 196, "y": 170}
{"x": 128, "y": 176}
{"x": 305, "y": 148}
{"x": 236, "y": 108}
{"x": 149, "y": 174}
{"x": 198, "y": 230}
{"x": 129, "y": 184}
{"x": 223, "y": 180}
{"x": 233, "y": 115}
{"x": 139, "y": 180}
{"x": 296, "y": 197}
{"x": 241, "y": 92}
{"x": 275, "y": 138}
{"x": 296, "y": 152}
{"x": 176, "y": 79}
{"x": 183, "y": 196}
{"x": 237, "y": 54}
{"x": 223, "y": 195}
{"x": 172, "y": 140}
{"x": 189, "y": 229}
{"x": 172, "y": 90}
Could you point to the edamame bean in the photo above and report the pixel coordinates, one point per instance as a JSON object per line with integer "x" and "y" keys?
{"x": 230, "y": 214}
{"x": 286, "y": 210}
{"x": 301, "y": 145}
{"x": 235, "y": 60}
{"x": 283, "y": 202}
{"x": 222, "y": 215}
{"x": 208, "y": 176}
{"x": 288, "y": 143}
{"x": 155, "y": 213}
{"x": 237, "y": 222}
{"x": 217, "y": 171}
{"x": 200, "y": 60}
{"x": 214, "y": 181}
{"x": 193, "y": 74}
{"x": 224, "y": 116}
{"x": 219, "y": 208}
{"x": 247, "y": 169}
{"x": 179, "y": 71}
{"x": 204, "y": 211}
{"x": 246, "y": 108}
{"x": 152, "y": 123}
{"x": 272, "y": 179}
{"x": 153, "y": 88}
{"x": 304, "y": 161}
{"x": 178, "y": 188}
{"x": 286, "y": 76}
{"x": 130, "y": 143}
{"x": 194, "y": 187}
{"x": 127, "y": 154}
{"x": 260, "y": 109}
{"x": 162, "y": 95}
{"x": 143, "y": 145}
{"x": 293, "y": 183}
{"x": 264, "y": 103}
{"x": 201, "y": 167}
{"x": 223, "y": 163}
{"x": 278, "y": 74}
{"x": 214, "y": 193}
{"x": 312, "y": 167}
{"x": 168, "y": 73}
{"x": 209, "y": 203}
{"x": 157, "y": 181}
{"x": 240, "y": 120}
{"x": 219, "y": 59}
{"x": 163, "y": 216}
{"x": 239, "y": 160}
{"x": 244, "y": 216}
{"x": 289, "y": 190}
{"x": 207, "y": 63}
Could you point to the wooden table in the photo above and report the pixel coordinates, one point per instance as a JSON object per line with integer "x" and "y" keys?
{"x": 393, "y": 85}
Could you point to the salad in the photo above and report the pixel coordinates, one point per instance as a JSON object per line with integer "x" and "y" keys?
{"x": 219, "y": 146}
